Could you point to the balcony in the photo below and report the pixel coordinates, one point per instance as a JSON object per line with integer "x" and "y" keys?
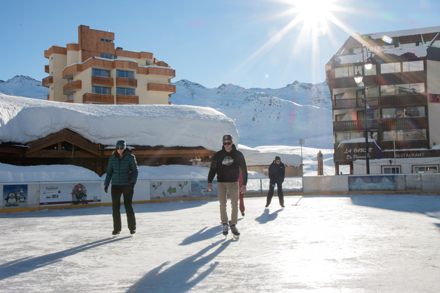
{"x": 166, "y": 88}
{"x": 404, "y": 123}
{"x": 47, "y": 81}
{"x": 124, "y": 99}
{"x": 406, "y": 100}
{"x": 354, "y": 125}
{"x": 98, "y": 98}
{"x": 72, "y": 70}
{"x": 48, "y": 97}
{"x": 46, "y": 68}
{"x": 404, "y": 144}
{"x": 162, "y": 72}
{"x": 126, "y": 82}
{"x": 99, "y": 80}
{"x": 72, "y": 86}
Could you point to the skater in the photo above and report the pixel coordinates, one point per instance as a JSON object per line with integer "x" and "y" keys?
{"x": 123, "y": 172}
{"x": 226, "y": 164}
{"x": 276, "y": 176}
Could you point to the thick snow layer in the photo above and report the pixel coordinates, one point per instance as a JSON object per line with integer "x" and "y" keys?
{"x": 24, "y": 119}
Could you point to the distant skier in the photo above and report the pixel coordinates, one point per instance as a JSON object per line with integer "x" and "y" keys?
{"x": 276, "y": 176}
{"x": 226, "y": 164}
{"x": 123, "y": 172}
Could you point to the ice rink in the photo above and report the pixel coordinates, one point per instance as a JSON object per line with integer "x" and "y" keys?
{"x": 346, "y": 243}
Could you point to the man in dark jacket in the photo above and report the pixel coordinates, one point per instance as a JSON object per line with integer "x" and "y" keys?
{"x": 226, "y": 164}
{"x": 276, "y": 176}
{"x": 123, "y": 172}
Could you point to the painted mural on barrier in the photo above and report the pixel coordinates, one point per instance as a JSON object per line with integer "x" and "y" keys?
{"x": 15, "y": 195}
{"x": 70, "y": 193}
{"x": 170, "y": 188}
{"x": 199, "y": 188}
{"x": 371, "y": 183}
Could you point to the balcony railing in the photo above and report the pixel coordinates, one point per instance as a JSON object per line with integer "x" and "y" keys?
{"x": 46, "y": 68}
{"x": 407, "y": 100}
{"x": 355, "y": 125}
{"x": 354, "y": 103}
{"x": 72, "y": 86}
{"x": 404, "y": 144}
{"x": 47, "y": 81}
{"x": 98, "y": 98}
{"x": 99, "y": 80}
{"x": 168, "y": 88}
{"x": 48, "y": 97}
{"x": 162, "y": 71}
{"x": 127, "y": 82}
{"x": 124, "y": 99}
{"x": 405, "y": 123}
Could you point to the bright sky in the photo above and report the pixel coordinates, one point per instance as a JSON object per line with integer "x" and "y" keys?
{"x": 251, "y": 43}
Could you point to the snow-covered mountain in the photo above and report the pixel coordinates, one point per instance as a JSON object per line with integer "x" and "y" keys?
{"x": 24, "y": 86}
{"x": 268, "y": 116}
{"x": 263, "y": 116}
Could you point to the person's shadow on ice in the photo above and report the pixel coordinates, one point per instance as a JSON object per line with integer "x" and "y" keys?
{"x": 266, "y": 217}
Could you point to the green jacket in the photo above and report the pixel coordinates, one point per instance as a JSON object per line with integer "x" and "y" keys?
{"x": 122, "y": 171}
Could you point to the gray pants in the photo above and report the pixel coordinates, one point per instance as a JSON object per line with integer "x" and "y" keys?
{"x": 222, "y": 188}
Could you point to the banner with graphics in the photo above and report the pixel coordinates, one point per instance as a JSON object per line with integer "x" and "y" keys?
{"x": 15, "y": 195}
{"x": 70, "y": 193}
{"x": 160, "y": 189}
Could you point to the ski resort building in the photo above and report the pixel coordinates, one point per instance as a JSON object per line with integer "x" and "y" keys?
{"x": 94, "y": 71}
{"x": 385, "y": 90}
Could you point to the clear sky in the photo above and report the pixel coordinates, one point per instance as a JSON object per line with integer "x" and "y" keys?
{"x": 250, "y": 43}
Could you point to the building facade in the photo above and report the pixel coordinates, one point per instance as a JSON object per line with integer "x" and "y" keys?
{"x": 396, "y": 105}
{"x": 94, "y": 71}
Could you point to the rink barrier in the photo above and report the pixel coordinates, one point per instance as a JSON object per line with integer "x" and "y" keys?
{"x": 32, "y": 196}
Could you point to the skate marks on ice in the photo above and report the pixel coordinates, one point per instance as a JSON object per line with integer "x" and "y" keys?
{"x": 298, "y": 199}
{"x": 181, "y": 276}
{"x": 266, "y": 216}
{"x": 29, "y": 264}
{"x": 201, "y": 235}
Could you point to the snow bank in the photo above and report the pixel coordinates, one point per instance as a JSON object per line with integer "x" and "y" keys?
{"x": 24, "y": 119}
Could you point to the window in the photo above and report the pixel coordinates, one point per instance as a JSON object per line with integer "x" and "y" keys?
{"x": 372, "y": 71}
{"x": 387, "y": 90}
{"x": 400, "y": 112}
{"x": 106, "y": 40}
{"x": 391, "y": 170}
{"x": 99, "y": 72}
{"x": 126, "y": 74}
{"x": 425, "y": 169}
{"x": 70, "y": 80}
{"x": 412, "y": 66}
{"x": 417, "y": 88}
{"x": 108, "y": 56}
{"x": 402, "y": 89}
{"x": 70, "y": 97}
{"x": 124, "y": 91}
{"x": 372, "y": 91}
{"x": 347, "y": 71}
{"x": 340, "y": 117}
{"x": 390, "y": 67}
{"x": 101, "y": 90}
{"x": 412, "y": 134}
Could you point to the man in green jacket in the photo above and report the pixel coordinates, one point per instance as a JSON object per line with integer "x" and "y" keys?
{"x": 123, "y": 172}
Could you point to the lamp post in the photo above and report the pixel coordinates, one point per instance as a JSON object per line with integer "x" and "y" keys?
{"x": 366, "y": 64}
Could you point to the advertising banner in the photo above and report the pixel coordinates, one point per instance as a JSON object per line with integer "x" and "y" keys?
{"x": 70, "y": 193}
{"x": 15, "y": 195}
{"x": 170, "y": 188}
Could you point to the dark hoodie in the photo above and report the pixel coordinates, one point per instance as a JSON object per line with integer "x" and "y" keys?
{"x": 227, "y": 166}
{"x": 276, "y": 172}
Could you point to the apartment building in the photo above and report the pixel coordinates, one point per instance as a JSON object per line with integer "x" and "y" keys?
{"x": 94, "y": 71}
{"x": 395, "y": 102}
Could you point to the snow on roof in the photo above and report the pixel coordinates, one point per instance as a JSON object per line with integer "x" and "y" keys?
{"x": 24, "y": 119}
{"x": 265, "y": 155}
{"x": 409, "y": 32}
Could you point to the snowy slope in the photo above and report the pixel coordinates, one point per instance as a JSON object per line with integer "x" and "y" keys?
{"x": 24, "y": 86}
{"x": 268, "y": 116}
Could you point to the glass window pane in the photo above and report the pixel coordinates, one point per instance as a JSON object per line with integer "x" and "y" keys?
{"x": 372, "y": 91}
{"x": 341, "y": 72}
{"x": 130, "y": 74}
{"x": 120, "y": 91}
{"x": 387, "y": 90}
{"x": 350, "y": 71}
{"x": 105, "y": 73}
{"x": 402, "y": 89}
{"x": 386, "y": 68}
{"x": 416, "y": 66}
{"x": 130, "y": 92}
{"x": 96, "y": 72}
{"x": 416, "y": 88}
{"x": 119, "y": 73}
{"x": 372, "y": 71}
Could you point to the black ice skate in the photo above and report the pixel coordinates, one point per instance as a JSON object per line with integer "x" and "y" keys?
{"x": 234, "y": 231}
{"x": 115, "y": 233}
{"x": 225, "y": 229}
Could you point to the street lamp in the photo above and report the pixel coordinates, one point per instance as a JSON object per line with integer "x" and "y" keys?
{"x": 368, "y": 64}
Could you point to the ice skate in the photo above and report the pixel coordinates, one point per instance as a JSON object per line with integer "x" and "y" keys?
{"x": 115, "y": 233}
{"x": 242, "y": 213}
{"x": 225, "y": 229}
{"x": 234, "y": 231}
{"x": 132, "y": 232}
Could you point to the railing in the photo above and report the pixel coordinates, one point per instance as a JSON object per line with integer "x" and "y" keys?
{"x": 161, "y": 87}
{"x": 98, "y": 98}
{"x": 162, "y": 71}
{"x": 100, "y": 80}
{"x": 46, "y": 68}
{"x": 406, "y": 100}
{"x": 404, "y": 144}
{"x": 405, "y": 123}
{"x": 123, "y": 81}
{"x": 354, "y": 125}
{"x": 47, "y": 81}
{"x": 354, "y": 103}
{"x": 124, "y": 99}
{"x": 72, "y": 86}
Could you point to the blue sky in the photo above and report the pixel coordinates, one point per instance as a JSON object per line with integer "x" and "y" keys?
{"x": 243, "y": 42}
